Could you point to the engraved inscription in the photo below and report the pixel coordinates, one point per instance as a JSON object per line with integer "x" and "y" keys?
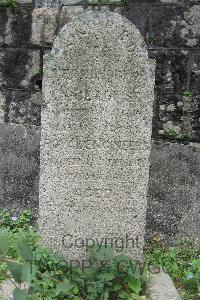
{"x": 96, "y": 134}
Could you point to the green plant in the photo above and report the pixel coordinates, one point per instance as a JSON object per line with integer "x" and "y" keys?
{"x": 16, "y": 226}
{"x": 151, "y": 38}
{"x": 172, "y": 132}
{"x": 182, "y": 263}
{"x": 191, "y": 281}
{"x": 49, "y": 276}
{"x": 106, "y": 278}
{"x": 101, "y": 276}
{"x": 9, "y": 3}
{"x": 3, "y": 271}
{"x": 187, "y": 93}
{"x": 14, "y": 222}
{"x": 120, "y": 2}
{"x": 37, "y": 71}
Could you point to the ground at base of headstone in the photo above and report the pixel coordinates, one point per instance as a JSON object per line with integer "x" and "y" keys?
{"x": 103, "y": 275}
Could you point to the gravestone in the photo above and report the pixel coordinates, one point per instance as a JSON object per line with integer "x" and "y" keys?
{"x": 96, "y": 132}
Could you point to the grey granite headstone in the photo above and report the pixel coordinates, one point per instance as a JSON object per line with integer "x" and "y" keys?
{"x": 96, "y": 132}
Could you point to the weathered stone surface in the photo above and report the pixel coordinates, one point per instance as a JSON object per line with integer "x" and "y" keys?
{"x": 69, "y": 2}
{"x": 161, "y": 287}
{"x": 178, "y": 112}
{"x": 168, "y": 114}
{"x": 176, "y": 1}
{"x": 72, "y": 3}
{"x": 177, "y": 102}
{"x": 3, "y": 18}
{"x": 174, "y": 26}
{"x": 7, "y": 288}
{"x": 19, "y": 167}
{"x": 195, "y": 73}
{"x": 165, "y": 25}
{"x": 171, "y": 1}
{"x": 15, "y": 26}
{"x": 47, "y": 3}
{"x": 190, "y": 118}
{"x": 2, "y": 107}
{"x": 118, "y": 9}
{"x": 164, "y": 2}
{"x": 174, "y": 190}
{"x": 19, "y": 68}
{"x": 177, "y": 71}
{"x": 44, "y": 26}
{"x": 190, "y": 224}
{"x": 134, "y": 11}
{"x": 56, "y": 3}
{"x": 23, "y": 2}
{"x": 96, "y": 130}
{"x": 68, "y": 13}
{"x": 190, "y": 30}
{"x": 23, "y": 107}
{"x": 171, "y": 70}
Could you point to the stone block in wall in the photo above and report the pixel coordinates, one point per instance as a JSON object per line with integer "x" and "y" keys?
{"x": 172, "y": 1}
{"x": 191, "y": 116}
{"x": 55, "y": 3}
{"x": 44, "y": 26}
{"x": 2, "y": 107}
{"x": 164, "y": 2}
{"x": 3, "y": 25}
{"x": 68, "y": 13}
{"x": 71, "y": 2}
{"x": 22, "y": 107}
{"x": 169, "y": 110}
{"x": 175, "y": 26}
{"x": 19, "y": 167}
{"x": 118, "y": 9}
{"x": 180, "y": 112}
{"x": 138, "y": 13}
{"x": 59, "y": 3}
{"x": 24, "y": 2}
{"x": 46, "y": 21}
{"x": 171, "y": 70}
{"x": 19, "y": 68}
{"x": 195, "y": 73}
{"x": 190, "y": 31}
{"x": 15, "y": 26}
{"x": 158, "y": 1}
{"x": 164, "y": 30}
{"x": 174, "y": 189}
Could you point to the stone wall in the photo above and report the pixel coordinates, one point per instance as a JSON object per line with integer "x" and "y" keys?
{"x": 171, "y": 29}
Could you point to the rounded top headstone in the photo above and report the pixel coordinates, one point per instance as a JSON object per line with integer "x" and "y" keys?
{"x": 111, "y": 26}
{"x": 96, "y": 135}
{"x": 100, "y": 35}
